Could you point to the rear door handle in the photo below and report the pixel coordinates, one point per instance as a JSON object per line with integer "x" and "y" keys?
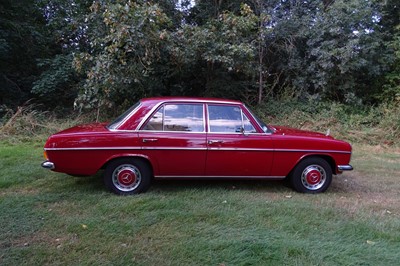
{"x": 149, "y": 140}
{"x": 214, "y": 141}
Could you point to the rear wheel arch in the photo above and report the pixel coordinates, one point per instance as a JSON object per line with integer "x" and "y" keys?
{"x": 134, "y": 157}
{"x": 128, "y": 175}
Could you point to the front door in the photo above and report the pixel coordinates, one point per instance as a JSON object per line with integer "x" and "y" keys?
{"x": 234, "y": 147}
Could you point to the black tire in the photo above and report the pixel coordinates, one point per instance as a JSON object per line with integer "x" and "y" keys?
{"x": 127, "y": 176}
{"x": 312, "y": 175}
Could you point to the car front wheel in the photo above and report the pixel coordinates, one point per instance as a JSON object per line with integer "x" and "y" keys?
{"x": 127, "y": 176}
{"x": 312, "y": 175}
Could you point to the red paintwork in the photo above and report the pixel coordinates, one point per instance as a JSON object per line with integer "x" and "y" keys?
{"x": 84, "y": 149}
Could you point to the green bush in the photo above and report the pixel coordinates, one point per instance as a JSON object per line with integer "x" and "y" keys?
{"x": 357, "y": 124}
{"x": 366, "y": 124}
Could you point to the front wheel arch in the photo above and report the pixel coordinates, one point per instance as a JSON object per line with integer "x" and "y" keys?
{"x": 312, "y": 175}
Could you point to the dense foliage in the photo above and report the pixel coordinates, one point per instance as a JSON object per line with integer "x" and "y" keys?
{"x": 106, "y": 54}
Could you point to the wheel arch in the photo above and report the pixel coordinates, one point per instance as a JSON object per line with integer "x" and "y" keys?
{"x": 140, "y": 157}
{"x": 328, "y": 158}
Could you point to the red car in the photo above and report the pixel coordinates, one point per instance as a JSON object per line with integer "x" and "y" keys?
{"x": 187, "y": 138}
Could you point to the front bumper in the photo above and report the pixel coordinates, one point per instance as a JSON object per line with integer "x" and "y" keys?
{"x": 48, "y": 165}
{"x": 347, "y": 167}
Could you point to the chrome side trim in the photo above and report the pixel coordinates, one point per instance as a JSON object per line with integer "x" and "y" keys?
{"x": 186, "y": 148}
{"x": 317, "y": 151}
{"x": 239, "y": 149}
{"x": 218, "y": 176}
{"x": 48, "y": 165}
{"x": 174, "y": 148}
{"x": 345, "y": 167}
{"x": 93, "y": 148}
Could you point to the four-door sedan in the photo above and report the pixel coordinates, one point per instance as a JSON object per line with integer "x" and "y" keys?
{"x": 195, "y": 138}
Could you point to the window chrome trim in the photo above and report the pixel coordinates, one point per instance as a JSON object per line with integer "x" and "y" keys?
{"x": 161, "y": 105}
{"x": 190, "y": 132}
{"x": 180, "y": 101}
{"x": 239, "y": 134}
{"x": 209, "y": 121}
{"x": 257, "y": 120}
{"x": 155, "y": 107}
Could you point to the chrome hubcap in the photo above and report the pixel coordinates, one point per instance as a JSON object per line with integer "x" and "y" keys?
{"x": 313, "y": 177}
{"x": 126, "y": 177}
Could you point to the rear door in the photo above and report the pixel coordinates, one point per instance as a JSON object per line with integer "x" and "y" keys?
{"x": 174, "y": 139}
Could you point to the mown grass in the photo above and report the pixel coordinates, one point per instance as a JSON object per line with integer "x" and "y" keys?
{"x": 51, "y": 218}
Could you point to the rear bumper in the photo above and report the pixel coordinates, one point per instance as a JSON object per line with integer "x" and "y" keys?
{"x": 347, "y": 167}
{"x": 48, "y": 165}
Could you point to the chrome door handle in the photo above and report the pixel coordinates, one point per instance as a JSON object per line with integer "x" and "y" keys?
{"x": 214, "y": 141}
{"x": 149, "y": 140}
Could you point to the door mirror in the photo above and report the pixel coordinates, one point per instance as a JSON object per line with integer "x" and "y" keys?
{"x": 243, "y": 131}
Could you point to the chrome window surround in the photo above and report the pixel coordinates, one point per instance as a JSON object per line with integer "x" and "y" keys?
{"x": 205, "y": 102}
{"x": 203, "y": 118}
{"x": 161, "y": 105}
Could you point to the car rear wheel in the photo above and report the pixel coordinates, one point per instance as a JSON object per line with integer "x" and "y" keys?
{"x": 312, "y": 175}
{"x": 127, "y": 176}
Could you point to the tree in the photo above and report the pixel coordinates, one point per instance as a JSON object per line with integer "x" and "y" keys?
{"x": 333, "y": 51}
{"x": 68, "y": 33}
{"x": 23, "y": 39}
{"x": 122, "y": 60}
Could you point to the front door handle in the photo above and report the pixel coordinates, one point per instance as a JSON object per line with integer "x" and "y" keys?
{"x": 149, "y": 140}
{"x": 214, "y": 141}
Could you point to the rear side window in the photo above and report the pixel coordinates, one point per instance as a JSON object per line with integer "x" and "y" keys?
{"x": 119, "y": 120}
{"x": 177, "y": 117}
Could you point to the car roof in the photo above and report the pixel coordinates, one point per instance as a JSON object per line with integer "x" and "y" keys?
{"x": 188, "y": 99}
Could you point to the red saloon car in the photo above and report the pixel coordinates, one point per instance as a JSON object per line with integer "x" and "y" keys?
{"x": 195, "y": 138}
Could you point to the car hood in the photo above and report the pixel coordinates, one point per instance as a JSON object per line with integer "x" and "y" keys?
{"x": 298, "y": 132}
{"x": 86, "y": 128}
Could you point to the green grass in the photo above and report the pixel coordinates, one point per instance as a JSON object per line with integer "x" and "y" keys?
{"x": 51, "y": 218}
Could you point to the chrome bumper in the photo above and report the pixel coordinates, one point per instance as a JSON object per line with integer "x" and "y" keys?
{"x": 48, "y": 165}
{"x": 345, "y": 167}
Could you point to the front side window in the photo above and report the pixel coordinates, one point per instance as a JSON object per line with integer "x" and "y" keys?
{"x": 177, "y": 117}
{"x": 228, "y": 119}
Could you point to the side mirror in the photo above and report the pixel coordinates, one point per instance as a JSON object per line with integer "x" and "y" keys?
{"x": 243, "y": 131}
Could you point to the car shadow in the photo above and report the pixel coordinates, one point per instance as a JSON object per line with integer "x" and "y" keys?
{"x": 177, "y": 185}
{"x": 94, "y": 184}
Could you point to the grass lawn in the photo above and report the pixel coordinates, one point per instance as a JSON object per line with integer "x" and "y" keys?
{"x": 52, "y": 218}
